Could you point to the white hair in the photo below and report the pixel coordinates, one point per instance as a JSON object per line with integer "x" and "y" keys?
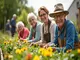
{"x": 31, "y": 15}
{"x": 14, "y": 15}
{"x": 19, "y": 24}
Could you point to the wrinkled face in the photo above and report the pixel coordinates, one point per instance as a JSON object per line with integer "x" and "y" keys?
{"x": 32, "y": 21}
{"x": 60, "y": 19}
{"x": 20, "y": 28}
{"x": 43, "y": 16}
{"x": 15, "y": 17}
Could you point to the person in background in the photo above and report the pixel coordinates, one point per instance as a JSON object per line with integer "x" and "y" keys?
{"x": 13, "y": 25}
{"x": 8, "y": 27}
{"x": 35, "y": 30}
{"x": 66, "y": 34}
{"x": 23, "y": 32}
{"x": 48, "y": 27}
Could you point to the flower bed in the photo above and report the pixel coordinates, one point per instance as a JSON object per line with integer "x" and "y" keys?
{"x": 14, "y": 49}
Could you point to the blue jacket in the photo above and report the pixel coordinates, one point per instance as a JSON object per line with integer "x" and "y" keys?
{"x": 37, "y": 34}
{"x": 71, "y": 35}
{"x": 13, "y": 25}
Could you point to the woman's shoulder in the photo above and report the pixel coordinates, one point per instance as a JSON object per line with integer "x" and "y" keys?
{"x": 39, "y": 23}
{"x": 26, "y": 29}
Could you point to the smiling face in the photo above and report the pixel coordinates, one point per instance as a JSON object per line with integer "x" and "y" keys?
{"x": 43, "y": 16}
{"x": 32, "y": 21}
{"x": 60, "y": 19}
{"x": 20, "y": 28}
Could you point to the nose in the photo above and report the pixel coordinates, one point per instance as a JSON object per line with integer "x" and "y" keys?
{"x": 42, "y": 17}
{"x": 58, "y": 18}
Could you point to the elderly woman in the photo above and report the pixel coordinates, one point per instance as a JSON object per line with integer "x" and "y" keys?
{"x": 35, "y": 28}
{"x": 23, "y": 32}
{"x": 48, "y": 27}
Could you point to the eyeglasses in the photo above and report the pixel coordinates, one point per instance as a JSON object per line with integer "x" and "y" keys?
{"x": 42, "y": 15}
{"x": 59, "y": 15}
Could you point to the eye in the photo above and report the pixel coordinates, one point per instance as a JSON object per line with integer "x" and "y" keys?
{"x": 43, "y": 14}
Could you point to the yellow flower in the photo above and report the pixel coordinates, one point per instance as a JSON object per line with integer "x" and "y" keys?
{"x": 23, "y": 49}
{"x": 49, "y": 49}
{"x": 25, "y": 41}
{"x": 10, "y": 41}
{"x": 36, "y": 57}
{"x": 68, "y": 51}
{"x": 41, "y": 50}
{"x": 18, "y": 51}
{"x": 47, "y": 53}
{"x": 78, "y": 50}
{"x": 6, "y": 42}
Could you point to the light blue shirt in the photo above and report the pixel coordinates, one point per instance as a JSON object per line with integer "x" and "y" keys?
{"x": 38, "y": 32}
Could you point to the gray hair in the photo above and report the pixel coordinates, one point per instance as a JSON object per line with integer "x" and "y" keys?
{"x": 14, "y": 15}
{"x": 31, "y": 15}
{"x": 19, "y": 24}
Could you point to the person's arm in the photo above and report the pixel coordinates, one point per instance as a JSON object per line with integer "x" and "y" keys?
{"x": 52, "y": 31}
{"x": 38, "y": 34}
{"x": 30, "y": 35}
{"x": 70, "y": 36}
{"x": 55, "y": 39}
{"x": 42, "y": 33}
{"x": 26, "y": 33}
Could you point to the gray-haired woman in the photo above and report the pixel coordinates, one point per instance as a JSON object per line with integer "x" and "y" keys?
{"x": 23, "y": 32}
{"x": 35, "y": 31}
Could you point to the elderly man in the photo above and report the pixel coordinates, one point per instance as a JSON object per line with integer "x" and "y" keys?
{"x": 13, "y": 25}
{"x": 66, "y": 34}
{"x": 35, "y": 31}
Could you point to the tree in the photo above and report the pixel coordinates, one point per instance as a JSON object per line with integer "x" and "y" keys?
{"x": 23, "y": 18}
{"x": 10, "y": 7}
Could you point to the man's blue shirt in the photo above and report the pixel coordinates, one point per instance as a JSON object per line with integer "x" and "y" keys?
{"x": 71, "y": 35}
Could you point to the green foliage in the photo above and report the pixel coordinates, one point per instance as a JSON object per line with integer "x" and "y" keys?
{"x": 10, "y": 7}
{"x": 23, "y": 18}
{"x": 79, "y": 36}
{"x": 14, "y": 49}
{"x": 75, "y": 23}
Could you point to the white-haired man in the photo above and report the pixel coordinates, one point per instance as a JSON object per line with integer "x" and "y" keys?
{"x": 13, "y": 25}
{"x": 35, "y": 31}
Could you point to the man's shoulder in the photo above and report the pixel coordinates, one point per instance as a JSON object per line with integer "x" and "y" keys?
{"x": 69, "y": 22}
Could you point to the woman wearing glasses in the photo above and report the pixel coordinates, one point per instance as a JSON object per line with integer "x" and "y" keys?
{"x": 48, "y": 27}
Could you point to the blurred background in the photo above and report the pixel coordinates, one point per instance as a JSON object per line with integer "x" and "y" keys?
{"x": 22, "y": 7}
